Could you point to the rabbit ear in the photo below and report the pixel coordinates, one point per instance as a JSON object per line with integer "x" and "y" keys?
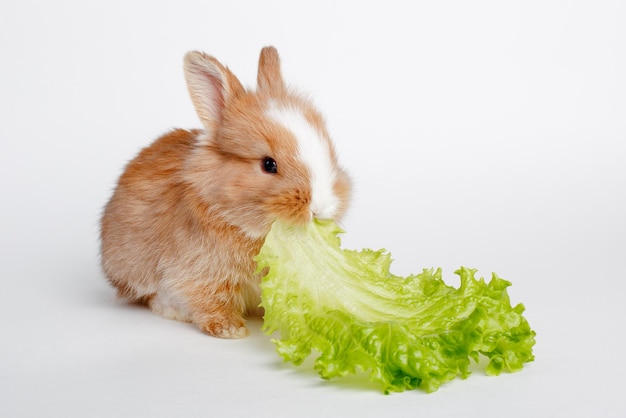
{"x": 269, "y": 76}
{"x": 211, "y": 86}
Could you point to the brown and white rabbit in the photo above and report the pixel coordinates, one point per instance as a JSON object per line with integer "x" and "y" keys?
{"x": 192, "y": 210}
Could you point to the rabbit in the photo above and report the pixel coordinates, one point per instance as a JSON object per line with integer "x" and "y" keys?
{"x": 190, "y": 211}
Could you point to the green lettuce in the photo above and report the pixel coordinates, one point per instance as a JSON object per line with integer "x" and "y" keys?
{"x": 406, "y": 332}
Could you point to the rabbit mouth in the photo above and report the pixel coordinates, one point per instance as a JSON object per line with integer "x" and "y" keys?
{"x": 324, "y": 206}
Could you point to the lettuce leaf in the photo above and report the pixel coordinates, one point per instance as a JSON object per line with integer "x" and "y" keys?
{"x": 406, "y": 332}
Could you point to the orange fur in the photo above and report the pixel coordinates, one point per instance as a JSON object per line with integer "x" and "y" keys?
{"x": 191, "y": 211}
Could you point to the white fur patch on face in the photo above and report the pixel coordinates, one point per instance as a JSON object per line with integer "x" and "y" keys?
{"x": 314, "y": 152}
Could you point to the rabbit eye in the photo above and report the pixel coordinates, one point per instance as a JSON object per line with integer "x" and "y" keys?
{"x": 269, "y": 165}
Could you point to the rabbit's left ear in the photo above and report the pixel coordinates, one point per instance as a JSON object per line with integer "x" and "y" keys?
{"x": 211, "y": 86}
{"x": 269, "y": 77}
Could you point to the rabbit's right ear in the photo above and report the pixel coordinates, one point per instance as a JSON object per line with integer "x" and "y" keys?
{"x": 269, "y": 76}
{"x": 211, "y": 86}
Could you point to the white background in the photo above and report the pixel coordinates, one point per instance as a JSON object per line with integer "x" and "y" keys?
{"x": 484, "y": 134}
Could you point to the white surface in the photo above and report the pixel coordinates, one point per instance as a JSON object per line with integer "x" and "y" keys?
{"x": 486, "y": 134}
